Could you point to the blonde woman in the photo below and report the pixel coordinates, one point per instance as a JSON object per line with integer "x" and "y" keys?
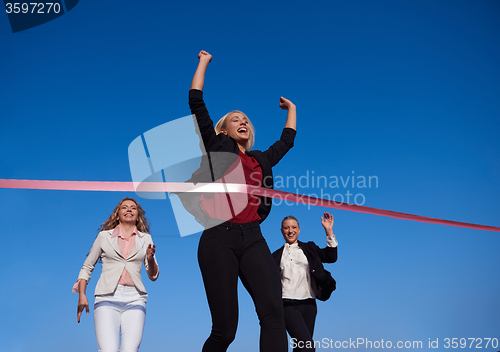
{"x": 123, "y": 244}
{"x": 232, "y": 244}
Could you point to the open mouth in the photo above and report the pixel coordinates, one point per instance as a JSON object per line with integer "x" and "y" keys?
{"x": 242, "y": 130}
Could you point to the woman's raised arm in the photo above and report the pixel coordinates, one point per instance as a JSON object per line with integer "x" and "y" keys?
{"x": 291, "y": 120}
{"x": 199, "y": 75}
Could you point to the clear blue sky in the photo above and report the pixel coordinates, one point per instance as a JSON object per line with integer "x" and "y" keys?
{"x": 407, "y": 91}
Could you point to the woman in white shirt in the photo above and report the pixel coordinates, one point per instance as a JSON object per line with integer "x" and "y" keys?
{"x": 122, "y": 244}
{"x": 303, "y": 279}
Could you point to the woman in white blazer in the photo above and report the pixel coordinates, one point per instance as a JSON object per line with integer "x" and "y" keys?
{"x": 122, "y": 244}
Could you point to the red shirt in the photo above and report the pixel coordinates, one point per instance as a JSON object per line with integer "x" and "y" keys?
{"x": 236, "y": 207}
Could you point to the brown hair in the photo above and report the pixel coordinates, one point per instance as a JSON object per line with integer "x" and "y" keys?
{"x": 142, "y": 223}
{"x": 289, "y": 217}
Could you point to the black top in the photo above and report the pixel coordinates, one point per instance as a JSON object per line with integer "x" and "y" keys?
{"x": 223, "y": 150}
{"x": 325, "y": 284}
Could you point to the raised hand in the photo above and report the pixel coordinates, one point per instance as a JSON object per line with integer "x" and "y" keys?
{"x": 199, "y": 75}
{"x": 286, "y": 104}
{"x": 204, "y": 55}
{"x": 291, "y": 119}
{"x": 327, "y": 223}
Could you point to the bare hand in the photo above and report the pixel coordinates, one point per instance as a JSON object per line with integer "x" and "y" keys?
{"x": 150, "y": 252}
{"x": 327, "y": 222}
{"x": 83, "y": 303}
{"x": 286, "y": 104}
{"x": 203, "y": 55}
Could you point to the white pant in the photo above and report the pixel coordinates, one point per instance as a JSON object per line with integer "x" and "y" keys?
{"x": 123, "y": 310}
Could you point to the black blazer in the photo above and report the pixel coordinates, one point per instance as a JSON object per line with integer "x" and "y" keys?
{"x": 325, "y": 283}
{"x": 221, "y": 153}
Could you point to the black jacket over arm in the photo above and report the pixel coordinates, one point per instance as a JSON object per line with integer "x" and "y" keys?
{"x": 226, "y": 150}
{"x": 325, "y": 284}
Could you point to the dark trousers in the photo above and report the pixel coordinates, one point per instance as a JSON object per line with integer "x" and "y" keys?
{"x": 300, "y": 316}
{"x": 229, "y": 251}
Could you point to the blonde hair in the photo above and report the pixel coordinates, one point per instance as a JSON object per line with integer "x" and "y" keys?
{"x": 142, "y": 223}
{"x": 222, "y": 123}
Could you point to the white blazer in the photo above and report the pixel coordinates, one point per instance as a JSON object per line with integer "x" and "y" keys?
{"x": 113, "y": 262}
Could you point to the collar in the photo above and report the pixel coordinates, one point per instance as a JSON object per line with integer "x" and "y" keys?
{"x": 295, "y": 245}
{"x": 116, "y": 232}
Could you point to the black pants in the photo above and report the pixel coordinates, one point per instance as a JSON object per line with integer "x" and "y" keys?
{"x": 300, "y": 316}
{"x": 225, "y": 252}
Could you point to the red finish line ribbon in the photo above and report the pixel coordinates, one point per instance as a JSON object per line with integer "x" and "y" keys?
{"x": 226, "y": 188}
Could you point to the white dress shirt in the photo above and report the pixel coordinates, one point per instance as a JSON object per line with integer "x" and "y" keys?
{"x": 295, "y": 274}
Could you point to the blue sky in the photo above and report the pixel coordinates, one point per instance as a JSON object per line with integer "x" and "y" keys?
{"x": 404, "y": 91}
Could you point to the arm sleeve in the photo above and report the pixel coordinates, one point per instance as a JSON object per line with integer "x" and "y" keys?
{"x": 281, "y": 147}
{"x": 92, "y": 258}
{"x": 331, "y": 241}
{"x": 327, "y": 254}
{"x": 205, "y": 128}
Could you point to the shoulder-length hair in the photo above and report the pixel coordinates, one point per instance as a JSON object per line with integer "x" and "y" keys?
{"x": 142, "y": 223}
{"x": 222, "y": 123}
